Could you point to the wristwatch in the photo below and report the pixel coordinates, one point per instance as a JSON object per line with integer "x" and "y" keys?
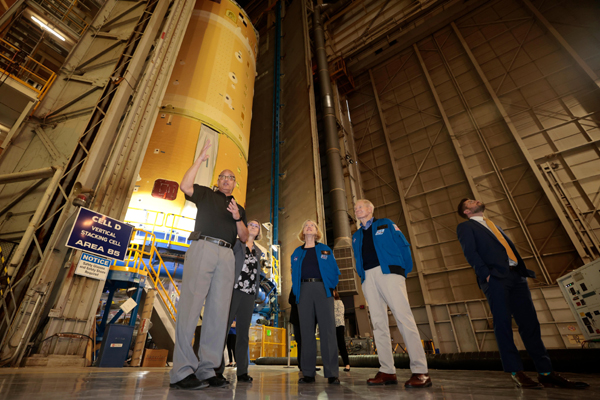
{"x": 238, "y": 220}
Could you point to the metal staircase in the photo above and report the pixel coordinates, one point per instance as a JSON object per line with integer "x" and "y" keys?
{"x": 143, "y": 255}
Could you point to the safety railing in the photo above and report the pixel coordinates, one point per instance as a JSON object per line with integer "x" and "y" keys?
{"x": 275, "y": 266}
{"x": 140, "y": 256}
{"x": 151, "y": 220}
{"x": 170, "y": 225}
{"x": 176, "y": 227}
{"x": 65, "y": 11}
{"x": 25, "y": 69}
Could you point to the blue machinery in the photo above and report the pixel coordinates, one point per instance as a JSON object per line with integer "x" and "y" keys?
{"x": 276, "y": 125}
{"x": 121, "y": 278}
{"x": 275, "y": 175}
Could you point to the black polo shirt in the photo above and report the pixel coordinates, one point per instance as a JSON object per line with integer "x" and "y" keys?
{"x": 212, "y": 217}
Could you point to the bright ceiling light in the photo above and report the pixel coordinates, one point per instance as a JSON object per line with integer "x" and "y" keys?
{"x": 46, "y": 27}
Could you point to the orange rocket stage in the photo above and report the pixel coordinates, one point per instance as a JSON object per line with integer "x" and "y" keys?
{"x": 209, "y": 96}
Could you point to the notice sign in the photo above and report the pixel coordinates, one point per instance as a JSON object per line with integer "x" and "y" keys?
{"x": 100, "y": 235}
{"x": 93, "y": 267}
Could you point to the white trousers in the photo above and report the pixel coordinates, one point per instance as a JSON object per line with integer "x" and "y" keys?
{"x": 383, "y": 290}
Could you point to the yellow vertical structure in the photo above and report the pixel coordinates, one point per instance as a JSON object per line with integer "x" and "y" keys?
{"x": 211, "y": 86}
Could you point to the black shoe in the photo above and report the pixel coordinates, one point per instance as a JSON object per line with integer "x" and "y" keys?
{"x": 333, "y": 380}
{"x": 307, "y": 379}
{"x": 346, "y": 369}
{"x": 317, "y": 369}
{"x": 555, "y": 380}
{"x": 524, "y": 382}
{"x": 221, "y": 377}
{"x": 190, "y": 382}
{"x": 217, "y": 381}
{"x": 244, "y": 378}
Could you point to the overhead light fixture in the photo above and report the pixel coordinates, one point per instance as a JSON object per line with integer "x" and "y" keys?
{"x": 46, "y": 27}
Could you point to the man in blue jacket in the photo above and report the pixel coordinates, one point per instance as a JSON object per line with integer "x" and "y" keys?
{"x": 502, "y": 276}
{"x": 382, "y": 261}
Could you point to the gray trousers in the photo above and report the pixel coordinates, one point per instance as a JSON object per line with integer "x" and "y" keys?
{"x": 315, "y": 303}
{"x": 242, "y": 305}
{"x": 389, "y": 290}
{"x": 208, "y": 278}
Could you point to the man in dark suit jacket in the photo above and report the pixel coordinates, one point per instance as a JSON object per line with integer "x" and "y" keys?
{"x": 502, "y": 275}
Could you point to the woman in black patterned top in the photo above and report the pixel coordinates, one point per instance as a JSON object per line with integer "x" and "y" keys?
{"x": 245, "y": 292}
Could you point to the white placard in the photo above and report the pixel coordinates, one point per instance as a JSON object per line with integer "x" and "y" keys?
{"x": 128, "y": 305}
{"x": 93, "y": 267}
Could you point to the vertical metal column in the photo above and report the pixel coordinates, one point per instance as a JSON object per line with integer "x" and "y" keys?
{"x": 276, "y": 125}
{"x": 275, "y": 176}
{"x": 341, "y": 226}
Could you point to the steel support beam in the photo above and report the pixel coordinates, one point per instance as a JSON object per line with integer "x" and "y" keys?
{"x": 453, "y": 139}
{"x": 14, "y": 129}
{"x": 27, "y": 175}
{"x": 534, "y": 167}
{"x": 411, "y": 233}
{"x": 563, "y": 43}
{"x": 19, "y": 254}
{"x": 21, "y": 196}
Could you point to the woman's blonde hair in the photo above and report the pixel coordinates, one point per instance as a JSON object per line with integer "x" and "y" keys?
{"x": 259, "y": 228}
{"x": 301, "y": 233}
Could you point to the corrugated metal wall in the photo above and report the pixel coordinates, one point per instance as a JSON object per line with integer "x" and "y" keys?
{"x": 499, "y": 105}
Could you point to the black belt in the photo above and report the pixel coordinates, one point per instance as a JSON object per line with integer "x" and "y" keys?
{"x": 216, "y": 241}
{"x": 312, "y": 280}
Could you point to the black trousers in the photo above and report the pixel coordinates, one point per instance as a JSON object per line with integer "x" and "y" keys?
{"x": 197, "y": 339}
{"x": 231, "y": 347}
{"x": 341, "y": 342}
{"x": 510, "y": 297}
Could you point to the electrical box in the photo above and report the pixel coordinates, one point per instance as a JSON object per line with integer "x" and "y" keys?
{"x": 581, "y": 289}
{"x": 115, "y": 346}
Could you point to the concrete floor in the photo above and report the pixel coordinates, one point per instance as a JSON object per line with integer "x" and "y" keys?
{"x": 270, "y": 383}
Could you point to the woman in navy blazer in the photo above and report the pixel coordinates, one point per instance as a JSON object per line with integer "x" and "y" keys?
{"x": 314, "y": 275}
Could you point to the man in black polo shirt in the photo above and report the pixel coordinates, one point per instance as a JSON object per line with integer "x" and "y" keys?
{"x": 208, "y": 278}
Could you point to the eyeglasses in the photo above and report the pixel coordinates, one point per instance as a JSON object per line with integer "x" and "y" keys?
{"x": 253, "y": 225}
{"x": 227, "y": 177}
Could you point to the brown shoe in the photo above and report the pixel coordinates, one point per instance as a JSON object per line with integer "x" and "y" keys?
{"x": 555, "y": 380}
{"x": 418, "y": 381}
{"x": 523, "y": 381}
{"x": 383, "y": 379}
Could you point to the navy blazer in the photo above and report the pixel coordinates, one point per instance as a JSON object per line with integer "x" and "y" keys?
{"x": 485, "y": 253}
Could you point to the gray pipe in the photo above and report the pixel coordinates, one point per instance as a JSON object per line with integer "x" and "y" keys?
{"x": 337, "y": 191}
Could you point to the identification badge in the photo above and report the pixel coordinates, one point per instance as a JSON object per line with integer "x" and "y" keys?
{"x": 324, "y": 256}
{"x": 379, "y": 232}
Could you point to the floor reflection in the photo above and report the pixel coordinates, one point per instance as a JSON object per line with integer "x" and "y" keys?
{"x": 270, "y": 383}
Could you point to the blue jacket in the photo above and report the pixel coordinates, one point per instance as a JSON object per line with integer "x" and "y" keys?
{"x": 327, "y": 266}
{"x": 390, "y": 245}
{"x": 485, "y": 253}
